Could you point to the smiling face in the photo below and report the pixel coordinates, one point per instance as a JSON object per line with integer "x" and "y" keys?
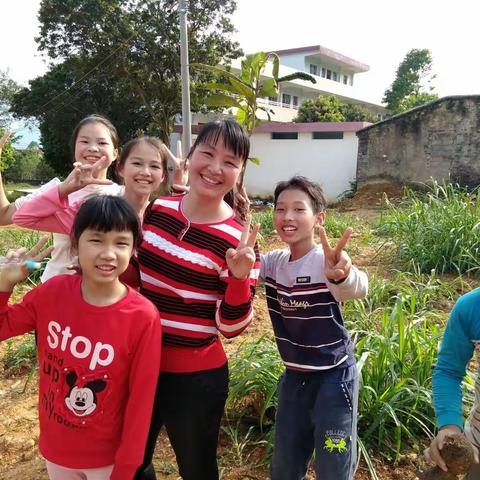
{"x": 92, "y": 143}
{"x": 142, "y": 171}
{"x": 295, "y": 219}
{"x": 213, "y": 170}
{"x": 104, "y": 256}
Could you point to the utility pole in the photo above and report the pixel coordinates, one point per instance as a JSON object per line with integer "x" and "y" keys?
{"x": 186, "y": 118}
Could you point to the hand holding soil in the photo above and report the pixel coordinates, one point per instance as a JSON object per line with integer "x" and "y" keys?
{"x": 458, "y": 455}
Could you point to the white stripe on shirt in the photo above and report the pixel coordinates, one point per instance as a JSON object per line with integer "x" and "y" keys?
{"x": 179, "y": 252}
{"x": 187, "y": 294}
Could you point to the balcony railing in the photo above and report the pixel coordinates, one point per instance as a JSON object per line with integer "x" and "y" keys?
{"x": 275, "y": 103}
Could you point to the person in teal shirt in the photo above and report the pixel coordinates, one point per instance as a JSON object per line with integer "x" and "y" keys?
{"x": 461, "y": 341}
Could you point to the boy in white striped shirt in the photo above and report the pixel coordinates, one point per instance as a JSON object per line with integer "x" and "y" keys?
{"x": 305, "y": 283}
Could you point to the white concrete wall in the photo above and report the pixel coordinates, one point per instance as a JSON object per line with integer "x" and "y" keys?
{"x": 332, "y": 163}
{"x": 295, "y": 61}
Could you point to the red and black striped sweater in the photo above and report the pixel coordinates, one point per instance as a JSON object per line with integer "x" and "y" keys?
{"x": 184, "y": 273}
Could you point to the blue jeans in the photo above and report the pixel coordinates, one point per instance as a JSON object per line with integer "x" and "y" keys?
{"x": 316, "y": 412}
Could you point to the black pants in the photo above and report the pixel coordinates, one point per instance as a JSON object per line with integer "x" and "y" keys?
{"x": 190, "y": 405}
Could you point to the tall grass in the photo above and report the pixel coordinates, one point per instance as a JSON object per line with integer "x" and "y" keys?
{"x": 336, "y": 223}
{"x": 426, "y": 293}
{"x": 265, "y": 219}
{"x": 254, "y": 372}
{"x": 395, "y": 402}
{"x": 439, "y": 230}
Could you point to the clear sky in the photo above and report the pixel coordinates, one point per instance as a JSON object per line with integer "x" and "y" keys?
{"x": 376, "y": 32}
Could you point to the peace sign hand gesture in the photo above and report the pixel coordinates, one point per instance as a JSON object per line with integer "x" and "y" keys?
{"x": 83, "y": 175}
{"x": 240, "y": 261}
{"x": 337, "y": 262}
{"x": 180, "y": 171}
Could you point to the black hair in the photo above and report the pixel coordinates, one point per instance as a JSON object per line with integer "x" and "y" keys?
{"x": 106, "y": 213}
{"x": 232, "y": 133}
{"x": 312, "y": 189}
{"x": 236, "y": 139}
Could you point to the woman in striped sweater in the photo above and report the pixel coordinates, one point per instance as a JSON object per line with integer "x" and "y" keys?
{"x": 199, "y": 267}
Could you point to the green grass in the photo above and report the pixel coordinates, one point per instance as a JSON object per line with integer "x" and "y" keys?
{"x": 265, "y": 219}
{"x": 336, "y": 223}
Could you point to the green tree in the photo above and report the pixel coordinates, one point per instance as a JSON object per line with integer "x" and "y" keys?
{"x": 8, "y": 88}
{"x": 98, "y": 93}
{"x": 120, "y": 58}
{"x": 411, "y": 86}
{"x": 326, "y": 108}
{"x": 357, "y": 113}
{"x": 26, "y": 165}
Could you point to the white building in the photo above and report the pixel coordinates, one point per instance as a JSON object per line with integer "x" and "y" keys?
{"x": 325, "y": 152}
{"x": 334, "y": 73}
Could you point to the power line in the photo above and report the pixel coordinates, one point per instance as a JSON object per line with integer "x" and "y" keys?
{"x": 87, "y": 74}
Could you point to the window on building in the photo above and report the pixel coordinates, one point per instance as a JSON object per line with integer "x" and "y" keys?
{"x": 295, "y": 101}
{"x": 286, "y": 98}
{"x": 272, "y": 99}
{"x": 313, "y": 69}
{"x": 324, "y": 72}
{"x": 334, "y": 77}
{"x": 329, "y": 74}
{"x": 327, "y": 135}
{"x": 284, "y": 136}
{"x": 345, "y": 79}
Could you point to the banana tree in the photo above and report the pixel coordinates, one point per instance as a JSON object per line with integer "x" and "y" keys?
{"x": 243, "y": 91}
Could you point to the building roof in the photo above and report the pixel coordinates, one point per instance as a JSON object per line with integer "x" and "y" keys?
{"x": 318, "y": 49}
{"x": 268, "y": 127}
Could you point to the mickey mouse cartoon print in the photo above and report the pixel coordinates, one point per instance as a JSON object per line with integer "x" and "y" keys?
{"x": 82, "y": 400}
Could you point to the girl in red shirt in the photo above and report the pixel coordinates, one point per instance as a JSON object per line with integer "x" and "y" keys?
{"x": 98, "y": 347}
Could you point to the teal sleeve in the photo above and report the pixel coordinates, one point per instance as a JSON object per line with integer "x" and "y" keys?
{"x": 456, "y": 350}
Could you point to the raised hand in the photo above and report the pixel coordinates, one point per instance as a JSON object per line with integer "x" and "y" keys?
{"x": 180, "y": 171}
{"x": 83, "y": 175}
{"x": 242, "y": 202}
{"x": 17, "y": 264}
{"x": 337, "y": 261}
{"x": 240, "y": 260}
{"x": 4, "y": 140}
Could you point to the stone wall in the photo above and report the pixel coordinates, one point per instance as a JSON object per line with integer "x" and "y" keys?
{"x": 439, "y": 140}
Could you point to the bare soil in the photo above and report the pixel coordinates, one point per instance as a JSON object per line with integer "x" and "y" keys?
{"x": 19, "y": 457}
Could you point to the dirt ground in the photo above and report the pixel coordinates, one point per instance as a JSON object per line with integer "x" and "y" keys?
{"x": 19, "y": 457}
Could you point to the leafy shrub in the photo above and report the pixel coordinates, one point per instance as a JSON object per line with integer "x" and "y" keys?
{"x": 21, "y": 353}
